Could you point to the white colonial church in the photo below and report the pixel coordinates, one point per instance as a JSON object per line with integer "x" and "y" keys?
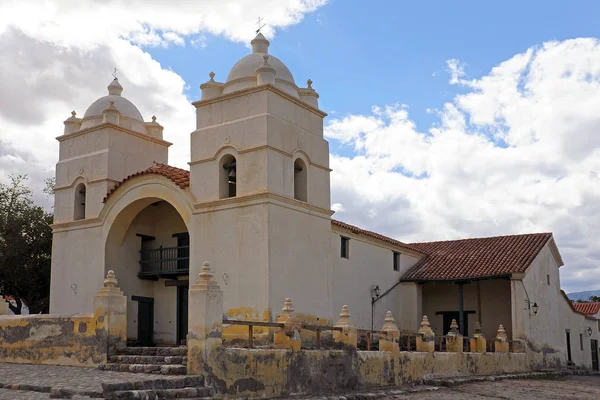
{"x": 256, "y": 204}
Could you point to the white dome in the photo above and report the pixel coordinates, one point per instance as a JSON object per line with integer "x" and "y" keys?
{"x": 125, "y": 107}
{"x": 243, "y": 73}
{"x": 131, "y": 117}
{"x": 248, "y": 65}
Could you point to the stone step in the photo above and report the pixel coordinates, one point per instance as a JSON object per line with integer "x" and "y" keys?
{"x": 158, "y": 383}
{"x": 153, "y": 351}
{"x": 156, "y": 360}
{"x": 168, "y": 369}
{"x": 153, "y": 394}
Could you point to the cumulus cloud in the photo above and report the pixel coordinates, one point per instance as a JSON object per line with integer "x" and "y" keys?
{"x": 518, "y": 151}
{"x": 56, "y": 56}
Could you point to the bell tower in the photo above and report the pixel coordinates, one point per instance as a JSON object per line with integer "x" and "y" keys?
{"x": 259, "y": 171}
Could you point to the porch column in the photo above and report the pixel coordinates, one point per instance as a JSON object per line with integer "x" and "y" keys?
{"x": 461, "y": 309}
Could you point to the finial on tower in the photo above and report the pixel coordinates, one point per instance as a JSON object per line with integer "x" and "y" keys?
{"x": 115, "y": 74}
{"x": 73, "y": 113}
{"x": 212, "y": 76}
{"x": 309, "y": 83}
{"x": 260, "y": 25}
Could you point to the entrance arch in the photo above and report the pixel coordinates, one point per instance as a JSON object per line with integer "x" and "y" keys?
{"x": 147, "y": 244}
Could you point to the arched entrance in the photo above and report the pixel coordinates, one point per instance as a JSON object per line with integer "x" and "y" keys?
{"x": 148, "y": 247}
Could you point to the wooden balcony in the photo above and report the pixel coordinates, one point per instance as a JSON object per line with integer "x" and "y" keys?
{"x": 164, "y": 262}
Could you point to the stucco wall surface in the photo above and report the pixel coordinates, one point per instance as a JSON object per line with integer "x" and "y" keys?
{"x": 75, "y": 340}
{"x": 370, "y": 263}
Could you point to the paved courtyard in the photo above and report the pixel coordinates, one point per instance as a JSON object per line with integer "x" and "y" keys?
{"x": 86, "y": 381}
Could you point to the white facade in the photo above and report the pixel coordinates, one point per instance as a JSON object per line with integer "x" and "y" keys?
{"x": 256, "y": 204}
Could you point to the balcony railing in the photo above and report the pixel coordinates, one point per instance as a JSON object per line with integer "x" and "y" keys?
{"x": 165, "y": 261}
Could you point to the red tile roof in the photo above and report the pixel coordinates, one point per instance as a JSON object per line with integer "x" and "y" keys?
{"x": 587, "y": 308}
{"x": 358, "y": 231}
{"x": 178, "y": 176}
{"x": 476, "y": 258}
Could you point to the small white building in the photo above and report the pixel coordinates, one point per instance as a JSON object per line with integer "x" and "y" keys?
{"x": 256, "y": 204}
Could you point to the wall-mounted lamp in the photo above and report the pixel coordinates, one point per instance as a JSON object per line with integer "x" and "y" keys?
{"x": 535, "y": 308}
{"x": 589, "y": 331}
{"x": 375, "y": 291}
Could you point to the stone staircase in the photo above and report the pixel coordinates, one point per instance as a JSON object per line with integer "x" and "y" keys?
{"x": 189, "y": 387}
{"x": 149, "y": 360}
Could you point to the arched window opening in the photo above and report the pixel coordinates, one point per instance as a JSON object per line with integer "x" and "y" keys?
{"x": 79, "y": 202}
{"x": 227, "y": 177}
{"x": 300, "y": 184}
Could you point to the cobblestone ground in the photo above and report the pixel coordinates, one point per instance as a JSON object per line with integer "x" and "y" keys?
{"x": 78, "y": 380}
{"x": 565, "y": 388}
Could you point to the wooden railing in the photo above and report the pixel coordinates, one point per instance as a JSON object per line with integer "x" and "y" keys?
{"x": 320, "y": 328}
{"x": 165, "y": 260}
{"x": 251, "y": 325}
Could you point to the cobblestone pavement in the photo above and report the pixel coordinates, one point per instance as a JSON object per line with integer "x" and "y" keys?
{"x": 78, "y": 380}
{"x": 564, "y": 388}
{"x": 561, "y": 388}
{"x": 7, "y": 394}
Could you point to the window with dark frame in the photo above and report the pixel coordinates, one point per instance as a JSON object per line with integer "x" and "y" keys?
{"x": 581, "y": 341}
{"x": 396, "y": 261}
{"x": 548, "y": 279}
{"x": 345, "y": 247}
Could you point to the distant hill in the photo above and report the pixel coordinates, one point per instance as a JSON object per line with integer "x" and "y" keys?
{"x": 583, "y": 295}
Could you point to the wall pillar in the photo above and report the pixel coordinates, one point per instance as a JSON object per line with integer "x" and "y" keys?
{"x": 454, "y": 340}
{"x": 389, "y": 341}
{"x": 501, "y": 342}
{"x": 477, "y": 342}
{"x": 205, "y": 321}
{"x": 348, "y": 334}
{"x": 110, "y": 310}
{"x": 287, "y": 337}
{"x": 426, "y": 337}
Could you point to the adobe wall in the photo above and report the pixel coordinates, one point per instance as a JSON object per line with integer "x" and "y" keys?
{"x": 238, "y": 372}
{"x": 75, "y": 340}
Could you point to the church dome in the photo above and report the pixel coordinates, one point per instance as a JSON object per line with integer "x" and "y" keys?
{"x": 130, "y": 116}
{"x": 243, "y": 73}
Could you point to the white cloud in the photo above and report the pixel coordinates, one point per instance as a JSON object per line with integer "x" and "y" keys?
{"x": 518, "y": 152}
{"x": 56, "y": 56}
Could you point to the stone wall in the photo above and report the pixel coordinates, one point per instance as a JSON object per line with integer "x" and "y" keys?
{"x": 83, "y": 340}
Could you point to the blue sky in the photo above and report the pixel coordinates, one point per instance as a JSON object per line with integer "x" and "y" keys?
{"x": 363, "y": 54}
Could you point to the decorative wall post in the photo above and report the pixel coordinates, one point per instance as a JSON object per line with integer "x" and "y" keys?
{"x": 205, "y": 321}
{"x": 477, "y": 342}
{"x": 389, "y": 340}
{"x": 348, "y": 333}
{"x": 287, "y": 337}
{"x": 110, "y": 310}
{"x": 426, "y": 337}
{"x": 454, "y": 340}
{"x": 501, "y": 342}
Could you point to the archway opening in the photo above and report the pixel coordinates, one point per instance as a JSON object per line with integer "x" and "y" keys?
{"x": 227, "y": 177}
{"x": 148, "y": 247}
{"x": 300, "y": 180}
{"x": 79, "y": 205}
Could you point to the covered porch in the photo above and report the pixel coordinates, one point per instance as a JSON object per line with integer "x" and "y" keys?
{"x": 487, "y": 301}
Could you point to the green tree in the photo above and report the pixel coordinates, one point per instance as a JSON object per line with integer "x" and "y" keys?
{"x": 594, "y": 299}
{"x": 25, "y": 248}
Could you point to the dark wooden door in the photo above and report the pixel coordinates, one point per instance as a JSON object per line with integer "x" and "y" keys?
{"x": 145, "y": 321}
{"x": 594, "y": 347}
{"x": 183, "y": 251}
{"x": 182, "y": 314}
{"x": 569, "y": 347}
